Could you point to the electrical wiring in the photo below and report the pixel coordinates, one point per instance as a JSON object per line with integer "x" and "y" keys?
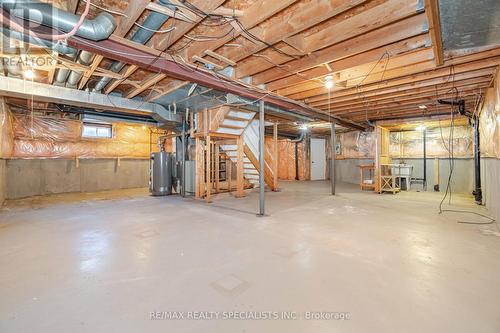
{"x": 224, "y": 21}
{"x": 280, "y": 66}
{"x": 385, "y": 54}
{"x": 451, "y": 158}
{"x": 153, "y": 30}
{"x": 271, "y": 46}
{"x": 190, "y": 67}
{"x": 220, "y": 78}
{"x": 209, "y": 38}
{"x": 491, "y": 220}
{"x": 237, "y": 21}
{"x": 366, "y": 104}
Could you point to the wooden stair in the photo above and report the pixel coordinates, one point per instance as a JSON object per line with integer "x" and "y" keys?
{"x": 227, "y": 122}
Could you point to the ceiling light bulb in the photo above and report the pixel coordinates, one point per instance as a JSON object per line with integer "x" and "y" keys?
{"x": 422, "y": 107}
{"x": 329, "y": 82}
{"x": 29, "y": 74}
{"x": 303, "y": 127}
{"x": 420, "y": 128}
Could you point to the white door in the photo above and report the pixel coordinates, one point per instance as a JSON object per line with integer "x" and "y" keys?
{"x": 318, "y": 159}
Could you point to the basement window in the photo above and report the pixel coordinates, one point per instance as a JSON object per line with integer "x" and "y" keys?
{"x": 91, "y": 130}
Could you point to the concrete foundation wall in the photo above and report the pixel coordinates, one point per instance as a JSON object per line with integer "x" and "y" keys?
{"x": 27, "y": 178}
{"x": 3, "y": 185}
{"x": 347, "y": 170}
{"x": 462, "y": 180}
{"x": 490, "y": 183}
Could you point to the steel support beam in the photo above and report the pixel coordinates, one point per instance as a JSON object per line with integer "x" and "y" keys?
{"x": 262, "y": 163}
{"x": 424, "y": 139}
{"x": 163, "y": 63}
{"x": 332, "y": 162}
{"x": 183, "y": 174}
{"x": 478, "y": 194}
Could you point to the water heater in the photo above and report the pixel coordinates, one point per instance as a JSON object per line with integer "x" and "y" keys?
{"x": 161, "y": 173}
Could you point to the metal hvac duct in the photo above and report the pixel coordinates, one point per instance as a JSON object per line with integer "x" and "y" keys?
{"x": 63, "y": 73}
{"x": 99, "y": 28}
{"x": 95, "y": 29}
{"x": 57, "y": 47}
{"x": 42, "y": 92}
{"x": 16, "y": 70}
{"x": 152, "y": 23}
{"x": 84, "y": 58}
{"x": 13, "y": 69}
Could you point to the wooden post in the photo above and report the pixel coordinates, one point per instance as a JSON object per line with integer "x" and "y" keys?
{"x": 239, "y": 168}
{"x": 205, "y": 121}
{"x": 208, "y": 171}
{"x": 276, "y": 157}
{"x": 191, "y": 120}
{"x": 212, "y": 166}
{"x": 217, "y": 166}
{"x": 199, "y": 169}
{"x": 197, "y": 173}
{"x": 229, "y": 166}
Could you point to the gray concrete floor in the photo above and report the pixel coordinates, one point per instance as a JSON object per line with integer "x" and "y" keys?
{"x": 105, "y": 263}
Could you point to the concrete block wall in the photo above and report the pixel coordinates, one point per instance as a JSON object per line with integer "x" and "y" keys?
{"x": 490, "y": 183}
{"x": 31, "y": 177}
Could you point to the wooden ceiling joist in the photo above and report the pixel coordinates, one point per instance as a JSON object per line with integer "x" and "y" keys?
{"x": 399, "y": 85}
{"x": 134, "y": 11}
{"x": 324, "y": 41}
{"x": 258, "y": 12}
{"x": 365, "y": 49}
{"x": 125, "y": 53}
{"x": 220, "y": 57}
{"x": 383, "y": 69}
{"x": 432, "y": 11}
{"x": 163, "y": 42}
{"x": 412, "y": 73}
{"x": 418, "y": 99}
{"x": 360, "y": 100}
{"x": 304, "y": 16}
{"x": 394, "y": 34}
